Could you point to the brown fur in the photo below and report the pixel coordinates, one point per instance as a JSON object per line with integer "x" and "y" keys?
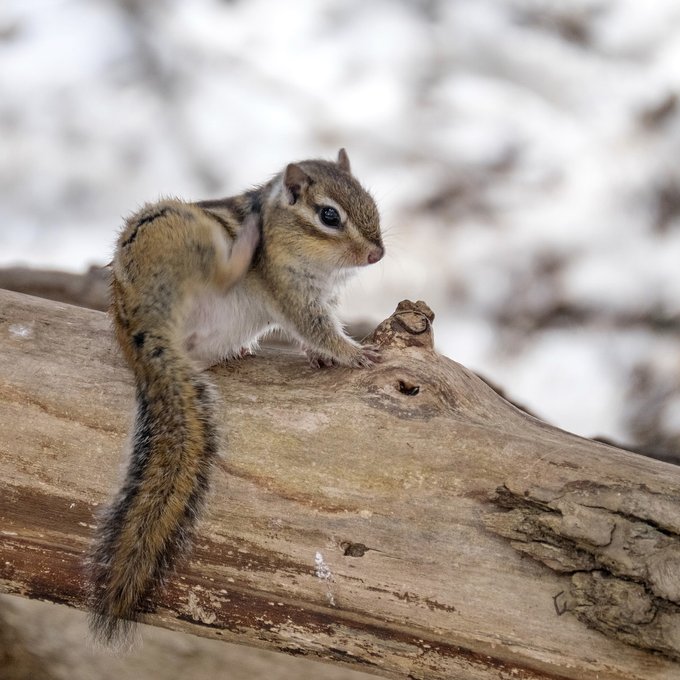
{"x": 173, "y": 258}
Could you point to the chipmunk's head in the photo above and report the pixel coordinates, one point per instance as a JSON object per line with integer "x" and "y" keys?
{"x": 327, "y": 214}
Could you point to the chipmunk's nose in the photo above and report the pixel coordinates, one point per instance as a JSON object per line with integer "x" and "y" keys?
{"x": 376, "y": 254}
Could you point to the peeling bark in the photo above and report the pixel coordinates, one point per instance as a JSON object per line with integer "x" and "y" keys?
{"x": 621, "y": 543}
{"x": 353, "y": 517}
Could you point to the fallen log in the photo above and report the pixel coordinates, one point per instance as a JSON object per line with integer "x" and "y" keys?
{"x": 405, "y": 520}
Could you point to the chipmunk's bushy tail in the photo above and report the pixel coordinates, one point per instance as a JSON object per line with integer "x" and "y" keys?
{"x": 150, "y": 521}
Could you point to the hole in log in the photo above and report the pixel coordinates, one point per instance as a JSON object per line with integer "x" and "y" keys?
{"x": 408, "y": 389}
{"x": 354, "y": 549}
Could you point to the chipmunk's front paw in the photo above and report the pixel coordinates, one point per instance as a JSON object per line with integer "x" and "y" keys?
{"x": 366, "y": 356}
{"x": 317, "y": 360}
{"x": 361, "y": 356}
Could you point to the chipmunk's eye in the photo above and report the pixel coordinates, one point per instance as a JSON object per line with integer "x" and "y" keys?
{"x": 329, "y": 216}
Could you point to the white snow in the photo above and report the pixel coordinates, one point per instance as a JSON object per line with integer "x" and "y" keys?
{"x": 20, "y": 330}
{"x": 323, "y": 572}
{"x": 321, "y": 569}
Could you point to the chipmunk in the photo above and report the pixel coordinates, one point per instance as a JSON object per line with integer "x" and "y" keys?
{"x": 194, "y": 284}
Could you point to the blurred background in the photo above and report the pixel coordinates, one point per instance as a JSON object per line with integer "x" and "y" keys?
{"x": 524, "y": 154}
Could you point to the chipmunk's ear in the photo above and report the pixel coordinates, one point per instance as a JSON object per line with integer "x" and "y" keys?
{"x": 343, "y": 161}
{"x": 295, "y": 180}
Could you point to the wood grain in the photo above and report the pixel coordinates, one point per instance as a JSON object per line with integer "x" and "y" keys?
{"x": 404, "y": 520}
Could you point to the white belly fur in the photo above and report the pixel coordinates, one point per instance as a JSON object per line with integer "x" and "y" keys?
{"x": 219, "y": 326}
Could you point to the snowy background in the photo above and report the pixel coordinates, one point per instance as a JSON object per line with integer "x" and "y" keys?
{"x": 525, "y": 155}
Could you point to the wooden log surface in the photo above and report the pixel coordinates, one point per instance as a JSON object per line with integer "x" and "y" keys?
{"x": 404, "y": 520}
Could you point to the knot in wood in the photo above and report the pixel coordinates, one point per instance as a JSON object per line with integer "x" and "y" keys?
{"x": 409, "y": 326}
